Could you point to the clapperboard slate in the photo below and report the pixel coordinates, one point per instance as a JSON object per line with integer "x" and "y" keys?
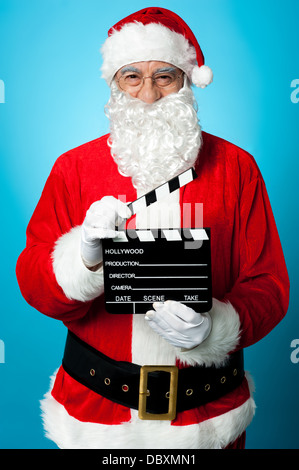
{"x": 146, "y": 266}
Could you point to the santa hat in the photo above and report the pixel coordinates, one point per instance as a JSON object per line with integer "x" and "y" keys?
{"x": 154, "y": 34}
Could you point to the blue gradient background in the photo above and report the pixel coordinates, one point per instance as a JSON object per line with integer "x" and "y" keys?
{"x": 54, "y": 98}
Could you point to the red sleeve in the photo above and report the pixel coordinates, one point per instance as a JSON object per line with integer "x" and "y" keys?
{"x": 261, "y": 292}
{"x": 52, "y": 217}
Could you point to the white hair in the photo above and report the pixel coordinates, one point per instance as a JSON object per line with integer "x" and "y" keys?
{"x": 152, "y": 143}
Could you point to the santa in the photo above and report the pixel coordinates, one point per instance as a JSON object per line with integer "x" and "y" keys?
{"x": 151, "y": 59}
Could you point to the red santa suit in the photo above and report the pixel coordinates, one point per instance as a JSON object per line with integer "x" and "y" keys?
{"x": 250, "y": 290}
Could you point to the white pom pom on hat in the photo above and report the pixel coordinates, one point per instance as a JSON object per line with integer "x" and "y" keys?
{"x": 202, "y": 76}
{"x": 154, "y": 34}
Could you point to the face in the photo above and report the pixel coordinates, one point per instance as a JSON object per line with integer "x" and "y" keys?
{"x": 149, "y": 81}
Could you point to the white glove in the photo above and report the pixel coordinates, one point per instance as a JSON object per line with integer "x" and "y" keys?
{"x": 180, "y": 325}
{"x": 101, "y": 221}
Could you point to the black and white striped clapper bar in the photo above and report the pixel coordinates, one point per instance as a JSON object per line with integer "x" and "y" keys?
{"x": 162, "y": 191}
{"x": 146, "y": 266}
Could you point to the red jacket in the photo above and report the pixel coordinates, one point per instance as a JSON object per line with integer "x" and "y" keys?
{"x": 250, "y": 290}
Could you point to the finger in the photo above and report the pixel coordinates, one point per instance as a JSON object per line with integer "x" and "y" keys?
{"x": 99, "y": 233}
{"x": 101, "y": 212}
{"x": 167, "y": 320}
{"x": 158, "y": 305}
{"x": 121, "y": 209}
{"x": 174, "y": 338}
{"x": 99, "y": 220}
{"x": 149, "y": 315}
{"x": 184, "y": 312}
{"x": 110, "y": 207}
{"x": 157, "y": 328}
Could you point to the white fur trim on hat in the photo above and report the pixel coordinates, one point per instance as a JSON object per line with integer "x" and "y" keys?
{"x": 136, "y": 42}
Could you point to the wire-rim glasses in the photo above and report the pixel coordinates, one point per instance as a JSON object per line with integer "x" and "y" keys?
{"x": 135, "y": 81}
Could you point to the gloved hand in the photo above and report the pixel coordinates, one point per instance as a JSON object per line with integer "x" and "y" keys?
{"x": 100, "y": 222}
{"x": 180, "y": 325}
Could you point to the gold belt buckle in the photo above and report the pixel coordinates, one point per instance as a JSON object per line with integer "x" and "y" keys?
{"x": 143, "y": 392}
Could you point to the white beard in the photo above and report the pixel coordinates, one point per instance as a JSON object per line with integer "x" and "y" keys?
{"x": 152, "y": 143}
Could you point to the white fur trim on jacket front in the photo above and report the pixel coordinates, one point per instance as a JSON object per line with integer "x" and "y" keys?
{"x": 76, "y": 281}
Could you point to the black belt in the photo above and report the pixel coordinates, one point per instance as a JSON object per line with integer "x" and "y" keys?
{"x": 158, "y": 392}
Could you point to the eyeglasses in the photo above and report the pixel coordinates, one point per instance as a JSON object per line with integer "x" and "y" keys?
{"x": 135, "y": 81}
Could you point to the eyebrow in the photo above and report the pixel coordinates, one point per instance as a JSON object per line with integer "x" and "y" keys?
{"x": 166, "y": 70}
{"x": 160, "y": 70}
{"x": 129, "y": 69}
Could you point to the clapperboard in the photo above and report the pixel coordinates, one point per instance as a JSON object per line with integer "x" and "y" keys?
{"x": 146, "y": 266}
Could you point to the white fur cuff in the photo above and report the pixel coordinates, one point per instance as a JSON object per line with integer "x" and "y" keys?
{"x": 76, "y": 281}
{"x": 223, "y": 339}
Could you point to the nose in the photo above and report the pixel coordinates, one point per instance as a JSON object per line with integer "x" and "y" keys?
{"x": 149, "y": 93}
